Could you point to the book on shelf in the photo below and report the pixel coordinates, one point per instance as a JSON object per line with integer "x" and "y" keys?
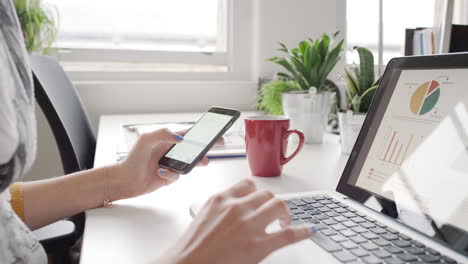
{"x": 425, "y": 41}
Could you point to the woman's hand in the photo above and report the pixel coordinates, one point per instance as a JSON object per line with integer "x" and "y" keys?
{"x": 139, "y": 172}
{"x": 230, "y": 228}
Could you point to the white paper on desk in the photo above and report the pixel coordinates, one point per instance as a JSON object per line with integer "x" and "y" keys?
{"x": 234, "y": 144}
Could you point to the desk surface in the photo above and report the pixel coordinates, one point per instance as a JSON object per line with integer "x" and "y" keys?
{"x": 139, "y": 229}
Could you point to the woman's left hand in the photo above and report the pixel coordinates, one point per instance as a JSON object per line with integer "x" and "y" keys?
{"x": 139, "y": 173}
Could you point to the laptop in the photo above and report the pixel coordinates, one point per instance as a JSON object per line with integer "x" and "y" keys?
{"x": 403, "y": 195}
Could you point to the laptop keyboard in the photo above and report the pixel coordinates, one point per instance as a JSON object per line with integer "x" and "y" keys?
{"x": 353, "y": 237}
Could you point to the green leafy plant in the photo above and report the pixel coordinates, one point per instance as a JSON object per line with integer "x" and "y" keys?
{"x": 307, "y": 65}
{"x": 310, "y": 63}
{"x": 361, "y": 82}
{"x": 269, "y": 99}
{"x": 38, "y": 25}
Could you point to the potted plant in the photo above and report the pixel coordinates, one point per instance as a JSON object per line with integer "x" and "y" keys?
{"x": 361, "y": 88}
{"x": 38, "y": 25}
{"x": 303, "y": 92}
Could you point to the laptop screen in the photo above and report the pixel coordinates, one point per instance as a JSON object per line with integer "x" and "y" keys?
{"x": 415, "y": 153}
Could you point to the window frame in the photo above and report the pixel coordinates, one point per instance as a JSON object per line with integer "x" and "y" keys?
{"x": 237, "y": 57}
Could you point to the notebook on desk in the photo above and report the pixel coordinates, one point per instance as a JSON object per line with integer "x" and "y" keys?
{"x": 234, "y": 144}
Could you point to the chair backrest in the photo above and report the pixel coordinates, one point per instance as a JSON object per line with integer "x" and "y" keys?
{"x": 65, "y": 113}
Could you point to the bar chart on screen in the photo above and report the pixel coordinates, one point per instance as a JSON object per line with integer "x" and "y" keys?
{"x": 398, "y": 146}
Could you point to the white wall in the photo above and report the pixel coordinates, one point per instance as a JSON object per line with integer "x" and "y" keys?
{"x": 287, "y": 21}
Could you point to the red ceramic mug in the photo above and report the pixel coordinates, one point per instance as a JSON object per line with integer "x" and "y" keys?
{"x": 266, "y": 139}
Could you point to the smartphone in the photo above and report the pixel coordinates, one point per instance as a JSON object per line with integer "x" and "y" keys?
{"x": 199, "y": 139}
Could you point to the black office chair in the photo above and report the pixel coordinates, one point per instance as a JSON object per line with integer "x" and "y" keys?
{"x": 73, "y": 134}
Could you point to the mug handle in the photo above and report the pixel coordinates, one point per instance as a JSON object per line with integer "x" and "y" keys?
{"x": 285, "y": 160}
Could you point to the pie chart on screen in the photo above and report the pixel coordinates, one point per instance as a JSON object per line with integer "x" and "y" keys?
{"x": 425, "y": 98}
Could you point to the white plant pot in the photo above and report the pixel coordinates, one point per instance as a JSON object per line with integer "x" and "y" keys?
{"x": 350, "y": 125}
{"x": 308, "y": 113}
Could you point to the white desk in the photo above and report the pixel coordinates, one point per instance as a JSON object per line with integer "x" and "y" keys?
{"x": 138, "y": 230}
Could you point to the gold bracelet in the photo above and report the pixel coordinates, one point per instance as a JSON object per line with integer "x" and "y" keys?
{"x": 107, "y": 203}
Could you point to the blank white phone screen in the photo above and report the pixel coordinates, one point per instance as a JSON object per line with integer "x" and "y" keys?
{"x": 198, "y": 137}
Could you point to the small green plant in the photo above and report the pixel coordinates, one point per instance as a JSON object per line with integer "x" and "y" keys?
{"x": 311, "y": 62}
{"x": 269, "y": 99}
{"x": 38, "y": 25}
{"x": 307, "y": 65}
{"x": 361, "y": 82}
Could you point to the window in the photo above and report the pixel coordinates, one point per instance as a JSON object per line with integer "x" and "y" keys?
{"x": 146, "y": 39}
{"x": 363, "y": 24}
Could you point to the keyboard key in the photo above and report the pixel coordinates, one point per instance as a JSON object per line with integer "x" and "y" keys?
{"x": 381, "y": 242}
{"x": 380, "y": 224}
{"x": 326, "y": 243}
{"x": 393, "y": 231}
{"x": 321, "y": 226}
{"x": 402, "y": 243}
{"x": 338, "y": 238}
{"x": 378, "y": 230}
{"x": 342, "y": 205}
{"x": 360, "y": 214}
{"x": 291, "y": 205}
{"x": 349, "y": 214}
{"x": 367, "y": 224}
{"x": 333, "y": 214}
{"x": 389, "y": 236}
{"x": 358, "y": 219}
{"x": 340, "y": 210}
{"x": 418, "y": 244}
{"x": 344, "y": 256}
{"x": 304, "y": 216}
{"x": 369, "y": 235}
{"x": 340, "y": 218}
{"x": 329, "y": 232}
{"x": 393, "y": 249}
{"x": 404, "y": 237}
{"x": 325, "y": 202}
{"x": 313, "y": 212}
{"x": 380, "y": 253}
{"x": 429, "y": 258}
{"x": 329, "y": 222}
{"x": 324, "y": 209}
{"x": 347, "y": 233}
{"x": 332, "y": 206}
{"x": 315, "y": 205}
{"x": 372, "y": 260}
{"x": 338, "y": 227}
{"x": 294, "y": 217}
{"x": 370, "y": 219}
{"x": 432, "y": 251}
{"x": 349, "y": 223}
{"x": 312, "y": 221}
{"x": 306, "y": 207}
{"x": 415, "y": 250}
{"x": 359, "y": 252}
{"x": 358, "y": 239}
{"x": 407, "y": 257}
{"x": 297, "y": 202}
{"x": 308, "y": 200}
{"x": 297, "y": 222}
{"x": 296, "y": 211}
{"x": 321, "y": 216}
{"x": 369, "y": 246}
{"x": 349, "y": 245}
{"x": 359, "y": 229}
{"x": 394, "y": 261}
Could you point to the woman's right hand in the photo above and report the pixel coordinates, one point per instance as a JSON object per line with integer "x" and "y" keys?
{"x": 230, "y": 228}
